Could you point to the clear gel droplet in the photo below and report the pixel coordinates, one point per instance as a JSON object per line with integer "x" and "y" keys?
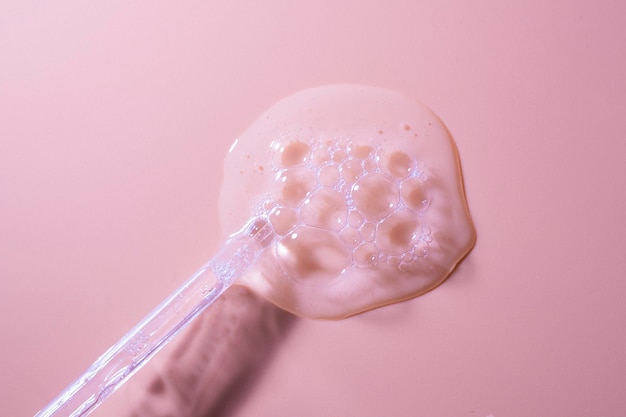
{"x": 363, "y": 192}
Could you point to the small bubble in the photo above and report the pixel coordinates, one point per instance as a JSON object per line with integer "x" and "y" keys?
{"x": 312, "y": 255}
{"x": 369, "y": 165}
{"x": 361, "y": 151}
{"x": 290, "y": 152}
{"x": 354, "y": 219}
{"x": 366, "y": 255}
{"x": 342, "y": 187}
{"x": 397, "y": 233}
{"x": 329, "y": 176}
{"x": 326, "y": 209}
{"x": 403, "y": 266}
{"x": 396, "y": 163}
{"x": 415, "y": 194}
{"x": 351, "y": 236}
{"x": 291, "y": 186}
{"x": 339, "y": 156}
{"x": 321, "y": 155}
{"x": 283, "y": 220}
{"x": 267, "y": 204}
{"x": 351, "y": 170}
{"x": 420, "y": 249}
{"x": 393, "y": 261}
{"x": 375, "y": 196}
{"x": 368, "y": 232}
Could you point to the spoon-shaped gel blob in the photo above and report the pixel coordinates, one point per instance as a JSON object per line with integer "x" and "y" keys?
{"x": 362, "y": 188}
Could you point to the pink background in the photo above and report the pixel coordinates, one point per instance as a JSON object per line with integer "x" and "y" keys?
{"x": 114, "y": 119}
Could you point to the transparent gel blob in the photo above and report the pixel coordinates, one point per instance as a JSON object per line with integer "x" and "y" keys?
{"x": 363, "y": 190}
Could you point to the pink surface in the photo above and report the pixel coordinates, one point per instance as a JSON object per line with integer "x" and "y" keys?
{"x": 114, "y": 120}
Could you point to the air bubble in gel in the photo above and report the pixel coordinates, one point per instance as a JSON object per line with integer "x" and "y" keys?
{"x": 375, "y": 196}
{"x": 351, "y": 170}
{"x": 283, "y": 219}
{"x": 366, "y": 255}
{"x": 291, "y": 186}
{"x": 329, "y": 175}
{"x": 365, "y": 212}
{"x": 325, "y": 209}
{"x": 288, "y": 153}
{"x": 368, "y": 232}
{"x": 313, "y": 256}
{"x": 415, "y": 194}
{"x": 397, "y": 233}
{"x": 396, "y": 163}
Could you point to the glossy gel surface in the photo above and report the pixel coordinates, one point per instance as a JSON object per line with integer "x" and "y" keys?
{"x": 363, "y": 190}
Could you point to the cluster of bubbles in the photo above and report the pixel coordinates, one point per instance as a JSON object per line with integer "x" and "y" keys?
{"x": 365, "y": 203}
